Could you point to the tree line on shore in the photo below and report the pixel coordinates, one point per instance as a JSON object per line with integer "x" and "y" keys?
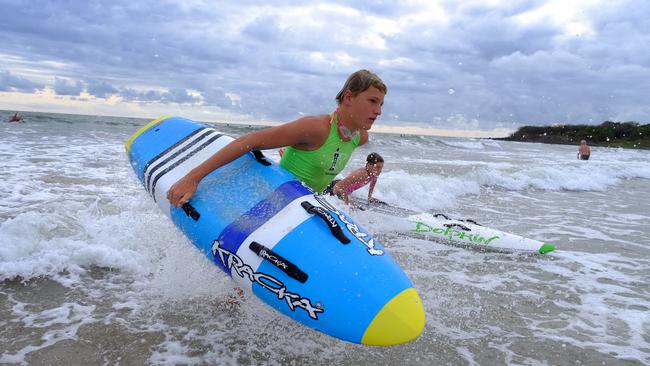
{"x": 608, "y": 133}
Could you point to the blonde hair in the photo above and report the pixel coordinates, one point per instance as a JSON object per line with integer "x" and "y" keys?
{"x": 359, "y": 82}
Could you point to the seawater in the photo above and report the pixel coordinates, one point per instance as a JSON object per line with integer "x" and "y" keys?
{"x": 93, "y": 273}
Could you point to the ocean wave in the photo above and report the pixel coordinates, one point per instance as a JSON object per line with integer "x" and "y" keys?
{"x": 423, "y": 191}
{"x": 437, "y": 191}
{"x": 565, "y": 177}
{"x": 468, "y": 144}
{"x": 63, "y": 245}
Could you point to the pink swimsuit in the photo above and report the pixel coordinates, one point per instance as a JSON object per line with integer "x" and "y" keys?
{"x": 356, "y": 185}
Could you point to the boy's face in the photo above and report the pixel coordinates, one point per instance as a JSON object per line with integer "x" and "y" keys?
{"x": 365, "y": 107}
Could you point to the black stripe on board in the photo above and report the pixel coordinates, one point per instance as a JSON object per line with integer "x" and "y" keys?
{"x": 180, "y": 161}
{"x": 148, "y": 175}
{"x": 144, "y": 171}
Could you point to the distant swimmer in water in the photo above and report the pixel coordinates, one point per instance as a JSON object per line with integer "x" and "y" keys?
{"x": 584, "y": 151}
{"x": 359, "y": 178}
{"x": 16, "y": 118}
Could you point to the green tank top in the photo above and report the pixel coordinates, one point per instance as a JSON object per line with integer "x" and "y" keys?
{"x": 317, "y": 168}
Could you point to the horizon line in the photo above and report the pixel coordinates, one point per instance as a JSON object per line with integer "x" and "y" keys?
{"x": 407, "y": 129}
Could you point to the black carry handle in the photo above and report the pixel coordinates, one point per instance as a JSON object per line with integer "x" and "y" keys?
{"x": 279, "y": 261}
{"x": 443, "y": 215}
{"x": 191, "y": 211}
{"x": 466, "y": 220}
{"x": 472, "y": 222}
{"x": 462, "y": 227}
{"x": 335, "y": 228}
{"x": 261, "y": 158}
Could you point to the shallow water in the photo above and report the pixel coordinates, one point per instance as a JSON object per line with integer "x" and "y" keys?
{"x": 93, "y": 273}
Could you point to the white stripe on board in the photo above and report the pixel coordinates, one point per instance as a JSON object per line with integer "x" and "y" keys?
{"x": 272, "y": 232}
{"x": 171, "y": 177}
{"x": 151, "y": 165}
{"x": 197, "y": 140}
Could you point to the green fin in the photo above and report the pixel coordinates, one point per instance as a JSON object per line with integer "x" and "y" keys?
{"x": 545, "y": 248}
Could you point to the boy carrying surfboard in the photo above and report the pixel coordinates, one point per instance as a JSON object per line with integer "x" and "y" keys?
{"x": 318, "y": 147}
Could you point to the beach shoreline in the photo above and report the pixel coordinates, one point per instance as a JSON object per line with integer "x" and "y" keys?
{"x": 630, "y": 135}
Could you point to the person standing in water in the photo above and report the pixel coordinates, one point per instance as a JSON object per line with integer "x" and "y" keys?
{"x": 584, "y": 151}
{"x": 317, "y": 147}
{"x": 359, "y": 178}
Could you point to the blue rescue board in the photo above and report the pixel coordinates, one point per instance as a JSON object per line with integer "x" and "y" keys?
{"x": 294, "y": 250}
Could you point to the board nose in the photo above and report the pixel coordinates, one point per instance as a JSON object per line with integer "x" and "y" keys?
{"x": 399, "y": 321}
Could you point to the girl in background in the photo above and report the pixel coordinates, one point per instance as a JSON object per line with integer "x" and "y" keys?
{"x": 359, "y": 178}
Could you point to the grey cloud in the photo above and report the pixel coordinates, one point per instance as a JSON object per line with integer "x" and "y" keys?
{"x": 11, "y": 82}
{"x": 216, "y": 97}
{"x": 134, "y": 95}
{"x": 178, "y": 95}
{"x": 477, "y": 8}
{"x": 171, "y": 51}
{"x": 67, "y": 87}
{"x": 264, "y": 29}
{"x": 482, "y": 64}
{"x": 287, "y": 103}
{"x": 181, "y": 96}
{"x": 379, "y": 7}
{"x": 497, "y": 37}
{"x": 100, "y": 88}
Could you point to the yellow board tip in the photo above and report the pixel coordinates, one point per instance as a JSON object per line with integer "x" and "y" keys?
{"x": 401, "y": 320}
{"x": 127, "y": 144}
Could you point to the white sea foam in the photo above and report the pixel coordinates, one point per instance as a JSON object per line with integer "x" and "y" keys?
{"x": 64, "y": 244}
{"x": 469, "y": 144}
{"x": 422, "y": 191}
{"x": 561, "y": 177}
{"x": 56, "y": 324}
{"x": 436, "y": 191}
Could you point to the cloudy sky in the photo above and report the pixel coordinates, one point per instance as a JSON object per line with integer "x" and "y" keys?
{"x": 484, "y": 65}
